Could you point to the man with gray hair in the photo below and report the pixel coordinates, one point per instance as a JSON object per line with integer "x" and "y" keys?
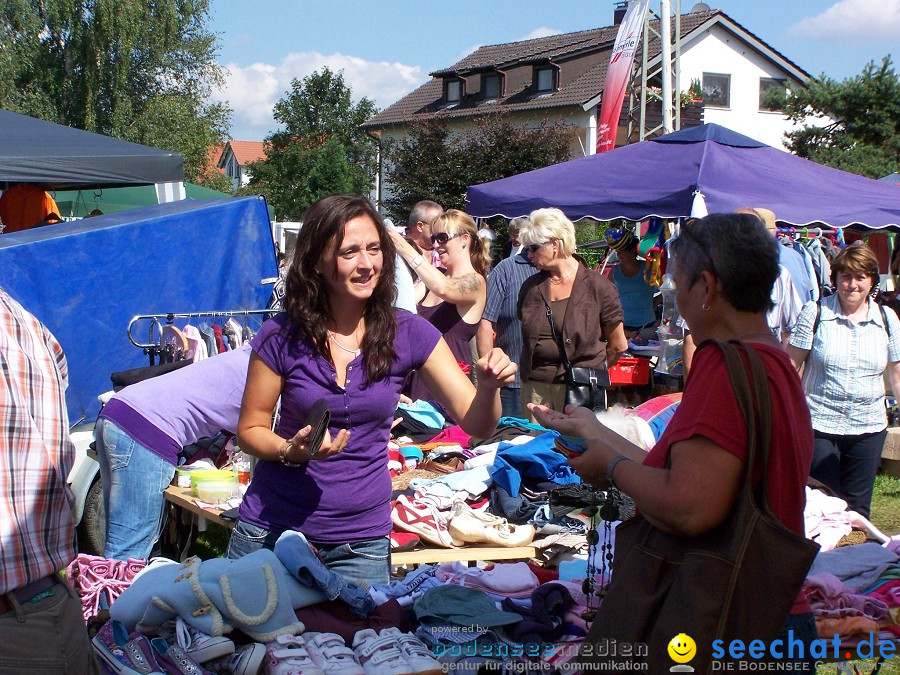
{"x": 512, "y": 247}
{"x": 419, "y": 228}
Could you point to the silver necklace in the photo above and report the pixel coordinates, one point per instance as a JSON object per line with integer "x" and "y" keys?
{"x": 355, "y": 352}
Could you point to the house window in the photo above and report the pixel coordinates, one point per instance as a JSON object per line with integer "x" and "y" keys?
{"x": 453, "y": 91}
{"x": 717, "y": 90}
{"x": 767, "y": 84}
{"x": 492, "y": 85}
{"x": 545, "y": 80}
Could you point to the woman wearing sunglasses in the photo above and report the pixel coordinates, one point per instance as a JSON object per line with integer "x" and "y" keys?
{"x": 452, "y": 302}
{"x": 585, "y": 306}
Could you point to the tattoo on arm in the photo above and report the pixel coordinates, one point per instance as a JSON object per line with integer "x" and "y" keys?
{"x": 467, "y": 283}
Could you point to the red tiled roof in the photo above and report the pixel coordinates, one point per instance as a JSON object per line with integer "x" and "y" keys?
{"x": 247, "y": 151}
{"x": 427, "y": 100}
{"x": 213, "y": 155}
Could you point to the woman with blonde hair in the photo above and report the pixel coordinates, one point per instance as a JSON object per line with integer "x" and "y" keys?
{"x": 452, "y": 302}
{"x": 843, "y": 347}
{"x": 585, "y": 308}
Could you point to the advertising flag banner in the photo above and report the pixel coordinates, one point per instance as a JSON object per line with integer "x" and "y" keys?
{"x": 619, "y": 72}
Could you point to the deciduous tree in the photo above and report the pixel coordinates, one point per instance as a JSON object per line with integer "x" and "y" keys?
{"x": 320, "y": 150}
{"x": 436, "y": 163}
{"x": 140, "y": 71}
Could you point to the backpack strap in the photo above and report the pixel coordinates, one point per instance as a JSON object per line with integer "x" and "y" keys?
{"x": 887, "y": 326}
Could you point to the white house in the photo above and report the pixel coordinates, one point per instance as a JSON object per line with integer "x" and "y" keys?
{"x": 559, "y": 79}
{"x": 235, "y": 158}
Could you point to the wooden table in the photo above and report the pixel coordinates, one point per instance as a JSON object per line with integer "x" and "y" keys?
{"x": 181, "y": 498}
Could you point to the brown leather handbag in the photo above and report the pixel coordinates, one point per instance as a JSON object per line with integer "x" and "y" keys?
{"x": 738, "y": 581}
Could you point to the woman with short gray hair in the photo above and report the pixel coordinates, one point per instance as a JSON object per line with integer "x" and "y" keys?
{"x": 585, "y": 308}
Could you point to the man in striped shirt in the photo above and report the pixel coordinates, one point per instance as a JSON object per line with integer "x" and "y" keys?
{"x": 41, "y": 625}
{"x": 500, "y": 318}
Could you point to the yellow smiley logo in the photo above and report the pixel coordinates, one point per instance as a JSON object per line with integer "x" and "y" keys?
{"x": 682, "y": 648}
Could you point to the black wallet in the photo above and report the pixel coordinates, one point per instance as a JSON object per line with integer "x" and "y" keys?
{"x": 318, "y": 418}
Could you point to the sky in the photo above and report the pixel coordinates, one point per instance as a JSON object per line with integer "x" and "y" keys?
{"x": 387, "y": 48}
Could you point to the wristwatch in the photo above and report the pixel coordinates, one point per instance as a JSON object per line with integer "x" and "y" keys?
{"x": 612, "y": 467}
{"x": 418, "y": 260}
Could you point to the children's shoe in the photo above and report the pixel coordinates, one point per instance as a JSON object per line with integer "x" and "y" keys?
{"x": 173, "y": 659}
{"x": 288, "y": 655}
{"x": 331, "y": 654}
{"x": 417, "y": 655}
{"x": 248, "y": 660}
{"x": 422, "y": 518}
{"x": 379, "y": 655}
{"x": 198, "y": 645}
{"x": 123, "y": 653}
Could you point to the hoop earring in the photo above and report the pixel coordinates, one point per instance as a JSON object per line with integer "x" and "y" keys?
{"x": 704, "y": 307}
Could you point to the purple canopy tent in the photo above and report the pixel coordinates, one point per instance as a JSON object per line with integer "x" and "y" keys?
{"x": 659, "y": 177}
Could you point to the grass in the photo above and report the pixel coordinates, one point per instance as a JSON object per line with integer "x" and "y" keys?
{"x": 886, "y": 504}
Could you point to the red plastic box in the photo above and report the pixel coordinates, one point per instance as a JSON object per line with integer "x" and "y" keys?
{"x": 630, "y": 370}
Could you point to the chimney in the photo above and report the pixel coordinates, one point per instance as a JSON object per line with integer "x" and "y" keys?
{"x": 619, "y": 12}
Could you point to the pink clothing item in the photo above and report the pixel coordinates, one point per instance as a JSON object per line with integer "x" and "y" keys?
{"x": 452, "y": 434}
{"x": 829, "y": 598}
{"x": 889, "y": 593}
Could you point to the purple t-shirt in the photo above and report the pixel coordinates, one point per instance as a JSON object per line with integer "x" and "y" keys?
{"x": 176, "y": 409}
{"x": 344, "y": 498}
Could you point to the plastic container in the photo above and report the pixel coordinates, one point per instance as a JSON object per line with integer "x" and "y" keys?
{"x": 210, "y": 476}
{"x": 216, "y": 491}
{"x": 630, "y": 370}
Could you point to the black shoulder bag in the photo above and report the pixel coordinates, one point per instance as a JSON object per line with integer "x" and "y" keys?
{"x": 585, "y": 387}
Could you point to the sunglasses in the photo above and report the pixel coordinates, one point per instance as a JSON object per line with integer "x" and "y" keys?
{"x": 442, "y": 238}
{"x": 532, "y": 248}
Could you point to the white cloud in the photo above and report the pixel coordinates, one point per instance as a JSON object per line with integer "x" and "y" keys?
{"x": 543, "y": 31}
{"x": 252, "y": 91}
{"x": 854, "y": 20}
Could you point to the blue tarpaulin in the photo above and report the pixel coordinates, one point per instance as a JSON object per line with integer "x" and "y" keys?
{"x": 86, "y": 279}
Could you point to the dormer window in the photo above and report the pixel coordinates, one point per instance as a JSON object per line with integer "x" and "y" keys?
{"x": 546, "y": 79}
{"x": 492, "y": 85}
{"x": 454, "y": 90}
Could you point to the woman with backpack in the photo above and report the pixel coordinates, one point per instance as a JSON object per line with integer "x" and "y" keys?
{"x": 844, "y": 346}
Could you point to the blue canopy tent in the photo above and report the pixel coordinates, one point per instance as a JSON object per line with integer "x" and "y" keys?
{"x": 86, "y": 279}
{"x": 668, "y": 176}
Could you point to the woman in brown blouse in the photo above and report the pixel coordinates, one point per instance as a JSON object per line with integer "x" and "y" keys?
{"x": 585, "y": 307}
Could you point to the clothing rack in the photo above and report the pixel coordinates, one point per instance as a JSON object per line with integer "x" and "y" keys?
{"x": 815, "y": 231}
{"x": 155, "y": 346}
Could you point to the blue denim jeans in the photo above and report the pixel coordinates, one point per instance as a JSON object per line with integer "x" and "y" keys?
{"x": 848, "y": 464}
{"x": 511, "y": 401}
{"x": 134, "y": 480}
{"x": 362, "y": 562}
{"x": 799, "y": 628}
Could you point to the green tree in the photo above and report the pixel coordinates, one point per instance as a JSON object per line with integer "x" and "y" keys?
{"x": 320, "y": 150}
{"x": 864, "y": 136}
{"x": 136, "y": 70}
{"x": 435, "y": 163}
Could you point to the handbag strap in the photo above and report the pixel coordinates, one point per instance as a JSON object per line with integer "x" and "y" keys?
{"x": 758, "y": 419}
{"x": 557, "y": 338}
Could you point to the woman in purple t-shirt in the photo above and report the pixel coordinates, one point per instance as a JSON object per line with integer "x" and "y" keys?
{"x": 341, "y": 340}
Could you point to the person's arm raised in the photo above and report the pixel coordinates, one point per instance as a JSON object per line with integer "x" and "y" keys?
{"x": 476, "y": 409}
{"x": 466, "y": 289}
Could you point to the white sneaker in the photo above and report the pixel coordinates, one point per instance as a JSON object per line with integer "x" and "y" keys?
{"x": 199, "y": 646}
{"x": 414, "y": 651}
{"x": 472, "y": 526}
{"x": 288, "y": 655}
{"x": 379, "y": 655}
{"x": 330, "y": 653}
